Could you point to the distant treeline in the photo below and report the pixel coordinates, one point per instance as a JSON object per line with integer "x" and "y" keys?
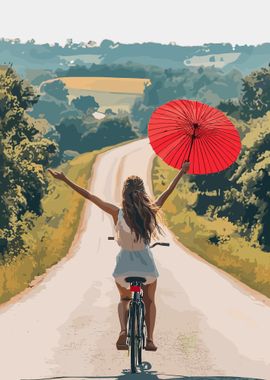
{"x": 109, "y": 47}
{"x": 129, "y": 70}
{"x": 31, "y": 57}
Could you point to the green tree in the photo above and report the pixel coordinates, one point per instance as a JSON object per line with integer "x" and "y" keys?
{"x": 109, "y": 112}
{"x": 230, "y": 107}
{"x": 57, "y": 89}
{"x": 23, "y": 158}
{"x": 247, "y": 202}
{"x": 109, "y": 131}
{"x": 255, "y": 97}
{"x": 85, "y": 103}
{"x": 53, "y": 102}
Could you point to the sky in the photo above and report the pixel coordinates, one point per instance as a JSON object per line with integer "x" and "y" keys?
{"x": 185, "y": 22}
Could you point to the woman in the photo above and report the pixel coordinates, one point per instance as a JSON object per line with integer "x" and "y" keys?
{"x": 135, "y": 224}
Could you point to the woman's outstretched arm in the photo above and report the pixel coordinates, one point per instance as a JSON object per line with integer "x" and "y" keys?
{"x": 162, "y": 198}
{"x": 105, "y": 206}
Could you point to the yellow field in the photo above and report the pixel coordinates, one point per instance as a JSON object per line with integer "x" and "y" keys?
{"x": 106, "y": 84}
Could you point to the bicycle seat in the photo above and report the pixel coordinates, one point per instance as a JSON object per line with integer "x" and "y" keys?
{"x": 135, "y": 279}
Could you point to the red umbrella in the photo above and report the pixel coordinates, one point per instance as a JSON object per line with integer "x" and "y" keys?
{"x": 187, "y": 130}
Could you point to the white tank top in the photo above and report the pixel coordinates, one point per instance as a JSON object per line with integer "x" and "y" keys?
{"x": 125, "y": 237}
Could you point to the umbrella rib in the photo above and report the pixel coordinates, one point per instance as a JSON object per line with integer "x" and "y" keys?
{"x": 164, "y": 120}
{"x": 228, "y": 146}
{"x": 209, "y": 145}
{"x": 212, "y": 161}
{"x": 156, "y": 124}
{"x": 163, "y": 130}
{"x": 165, "y": 110}
{"x": 195, "y": 154}
{"x": 177, "y": 126}
{"x": 224, "y": 139}
{"x": 222, "y": 154}
{"x": 198, "y": 155}
{"x": 198, "y": 149}
{"x": 157, "y": 119}
{"x": 185, "y": 110}
{"x": 164, "y": 140}
{"x": 229, "y": 137}
{"x": 180, "y": 110}
{"x": 179, "y": 147}
{"x": 206, "y": 114}
{"x": 217, "y": 118}
{"x": 174, "y": 147}
{"x": 170, "y": 130}
{"x": 183, "y": 153}
{"x": 165, "y": 117}
{"x": 218, "y": 125}
{"x": 202, "y": 155}
{"x": 218, "y": 128}
{"x": 205, "y": 151}
{"x": 214, "y": 122}
{"x": 168, "y": 153}
{"x": 184, "y": 114}
{"x": 194, "y": 110}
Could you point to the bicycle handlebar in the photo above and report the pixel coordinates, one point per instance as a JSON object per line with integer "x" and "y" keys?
{"x": 151, "y": 246}
{"x": 160, "y": 243}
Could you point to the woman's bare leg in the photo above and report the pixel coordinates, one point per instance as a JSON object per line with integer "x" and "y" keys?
{"x": 125, "y": 297}
{"x": 150, "y": 307}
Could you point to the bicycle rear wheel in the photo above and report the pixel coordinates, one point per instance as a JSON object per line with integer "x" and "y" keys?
{"x": 141, "y": 337}
{"x": 133, "y": 336}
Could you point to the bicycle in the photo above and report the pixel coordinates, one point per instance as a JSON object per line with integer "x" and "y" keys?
{"x": 136, "y": 321}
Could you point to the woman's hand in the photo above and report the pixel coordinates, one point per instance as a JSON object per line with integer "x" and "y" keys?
{"x": 57, "y": 175}
{"x": 185, "y": 167}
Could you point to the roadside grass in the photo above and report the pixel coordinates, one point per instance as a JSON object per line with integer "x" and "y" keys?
{"x": 53, "y": 232}
{"x": 242, "y": 259}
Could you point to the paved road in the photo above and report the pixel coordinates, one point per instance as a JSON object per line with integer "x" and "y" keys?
{"x": 207, "y": 323}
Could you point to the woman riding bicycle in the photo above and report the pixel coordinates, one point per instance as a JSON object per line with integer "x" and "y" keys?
{"x": 135, "y": 224}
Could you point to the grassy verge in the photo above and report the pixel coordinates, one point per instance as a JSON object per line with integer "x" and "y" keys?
{"x": 242, "y": 259}
{"x": 54, "y": 231}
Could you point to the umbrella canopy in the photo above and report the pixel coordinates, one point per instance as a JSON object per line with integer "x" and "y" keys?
{"x": 187, "y": 130}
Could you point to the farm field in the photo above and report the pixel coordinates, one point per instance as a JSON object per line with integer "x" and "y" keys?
{"x": 107, "y": 84}
{"x": 114, "y": 93}
{"x": 217, "y": 60}
{"x": 115, "y": 101}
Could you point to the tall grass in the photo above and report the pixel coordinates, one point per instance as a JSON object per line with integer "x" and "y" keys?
{"x": 242, "y": 259}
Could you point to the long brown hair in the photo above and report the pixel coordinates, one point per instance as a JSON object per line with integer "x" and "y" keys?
{"x": 140, "y": 212}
